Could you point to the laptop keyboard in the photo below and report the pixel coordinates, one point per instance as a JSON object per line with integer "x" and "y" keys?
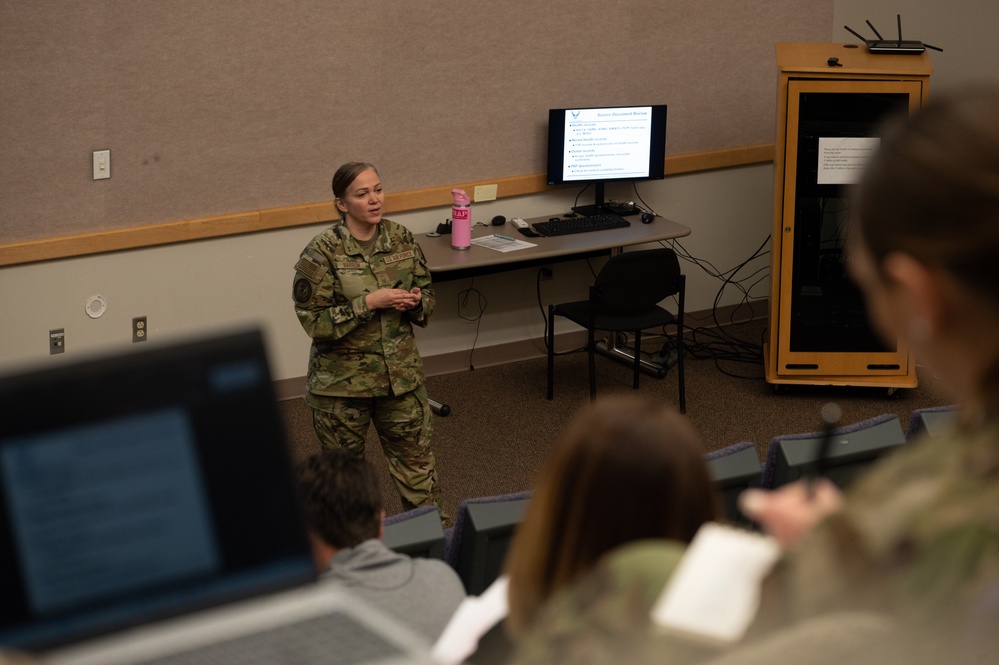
{"x": 331, "y": 639}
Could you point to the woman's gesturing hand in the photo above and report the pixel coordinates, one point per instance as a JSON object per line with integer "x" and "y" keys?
{"x": 393, "y": 299}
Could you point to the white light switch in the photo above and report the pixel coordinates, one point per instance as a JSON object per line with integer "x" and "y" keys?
{"x": 102, "y": 164}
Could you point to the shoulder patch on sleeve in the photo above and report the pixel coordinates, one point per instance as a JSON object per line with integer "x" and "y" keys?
{"x": 303, "y": 290}
{"x": 312, "y": 268}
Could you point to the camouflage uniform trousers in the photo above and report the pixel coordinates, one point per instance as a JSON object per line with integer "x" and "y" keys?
{"x": 404, "y": 425}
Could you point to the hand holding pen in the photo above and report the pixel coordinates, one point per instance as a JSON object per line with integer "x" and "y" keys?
{"x": 831, "y": 414}
{"x": 790, "y": 512}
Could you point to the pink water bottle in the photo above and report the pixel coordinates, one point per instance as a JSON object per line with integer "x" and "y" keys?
{"x": 461, "y": 220}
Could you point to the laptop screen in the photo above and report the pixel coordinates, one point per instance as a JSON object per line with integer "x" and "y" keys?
{"x": 143, "y": 485}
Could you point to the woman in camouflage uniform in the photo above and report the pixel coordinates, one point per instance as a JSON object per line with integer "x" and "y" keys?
{"x": 360, "y": 286}
{"x": 917, "y": 538}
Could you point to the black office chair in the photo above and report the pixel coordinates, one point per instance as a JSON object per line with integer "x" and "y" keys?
{"x": 625, "y": 298}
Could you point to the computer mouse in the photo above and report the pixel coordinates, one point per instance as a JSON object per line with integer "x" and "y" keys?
{"x": 499, "y": 220}
{"x": 647, "y": 217}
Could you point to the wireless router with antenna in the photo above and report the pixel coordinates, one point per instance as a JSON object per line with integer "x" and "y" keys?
{"x": 882, "y": 45}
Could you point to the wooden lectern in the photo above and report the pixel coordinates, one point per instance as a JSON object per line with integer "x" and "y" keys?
{"x": 831, "y": 99}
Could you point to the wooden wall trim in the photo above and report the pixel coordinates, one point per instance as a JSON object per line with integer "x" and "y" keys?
{"x": 46, "y": 249}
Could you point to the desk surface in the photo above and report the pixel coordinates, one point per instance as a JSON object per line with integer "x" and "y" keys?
{"x": 441, "y": 258}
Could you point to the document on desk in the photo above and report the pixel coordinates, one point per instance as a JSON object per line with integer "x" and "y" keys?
{"x": 502, "y": 243}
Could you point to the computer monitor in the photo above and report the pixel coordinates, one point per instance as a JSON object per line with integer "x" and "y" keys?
{"x": 732, "y": 474}
{"x": 420, "y": 535}
{"x": 932, "y": 421}
{"x": 849, "y": 454}
{"x": 486, "y": 536}
{"x": 143, "y": 484}
{"x": 597, "y": 145}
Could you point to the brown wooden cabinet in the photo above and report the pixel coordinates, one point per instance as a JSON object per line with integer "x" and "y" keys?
{"x": 827, "y": 112}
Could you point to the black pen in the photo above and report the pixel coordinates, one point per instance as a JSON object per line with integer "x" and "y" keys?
{"x": 831, "y": 414}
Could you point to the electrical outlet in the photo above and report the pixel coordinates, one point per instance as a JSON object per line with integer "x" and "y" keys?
{"x": 57, "y": 341}
{"x": 139, "y": 329}
{"x": 546, "y": 273}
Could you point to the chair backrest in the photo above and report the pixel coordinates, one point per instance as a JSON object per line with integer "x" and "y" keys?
{"x": 930, "y": 420}
{"x": 417, "y": 532}
{"x": 476, "y": 545}
{"x": 853, "y": 447}
{"x": 637, "y": 280}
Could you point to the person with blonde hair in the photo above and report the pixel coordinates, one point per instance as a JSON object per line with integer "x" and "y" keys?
{"x": 359, "y": 288}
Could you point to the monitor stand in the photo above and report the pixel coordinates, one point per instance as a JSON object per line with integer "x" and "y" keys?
{"x": 598, "y": 206}
{"x": 591, "y": 210}
{"x": 601, "y": 208}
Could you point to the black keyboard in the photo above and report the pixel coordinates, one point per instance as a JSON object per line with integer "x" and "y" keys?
{"x": 562, "y": 226}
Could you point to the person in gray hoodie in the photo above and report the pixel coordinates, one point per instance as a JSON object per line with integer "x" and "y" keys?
{"x": 345, "y": 519}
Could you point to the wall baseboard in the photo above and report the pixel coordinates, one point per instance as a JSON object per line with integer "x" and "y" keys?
{"x": 528, "y": 349}
{"x": 458, "y": 361}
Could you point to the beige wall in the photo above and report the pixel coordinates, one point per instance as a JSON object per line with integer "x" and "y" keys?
{"x": 965, "y": 29}
{"x": 199, "y": 286}
{"x": 212, "y": 108}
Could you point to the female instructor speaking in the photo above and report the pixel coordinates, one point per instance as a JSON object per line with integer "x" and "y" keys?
{"x": 359, "y": 288}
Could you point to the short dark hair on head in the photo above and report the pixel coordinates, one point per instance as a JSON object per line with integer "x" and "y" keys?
{"x": 340, "y": 497}
{"x": 346, "y": 175}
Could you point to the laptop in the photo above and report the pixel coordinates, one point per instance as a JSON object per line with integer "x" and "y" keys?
{"x": 148, "y": 511}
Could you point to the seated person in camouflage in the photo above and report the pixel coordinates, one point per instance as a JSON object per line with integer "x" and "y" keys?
{"x": 917, "y": 537}
{"x": 360, "y": 287}
{"x": 344, "y": 515}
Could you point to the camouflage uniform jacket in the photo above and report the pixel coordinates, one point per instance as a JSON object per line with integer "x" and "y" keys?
{"x": 357, "y": 352}
{"x": 604, "y": 617}
{"x": 918, "y": 538}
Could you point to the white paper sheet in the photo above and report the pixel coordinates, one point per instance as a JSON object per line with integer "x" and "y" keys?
{"x": 715, "y": 591}
{"x": 502, "y": 243}
{"x": 842, "y": 159}
{"x": 473, "y": 619}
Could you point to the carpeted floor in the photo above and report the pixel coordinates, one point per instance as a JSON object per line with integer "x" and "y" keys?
{"x": 501, "y": 426}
